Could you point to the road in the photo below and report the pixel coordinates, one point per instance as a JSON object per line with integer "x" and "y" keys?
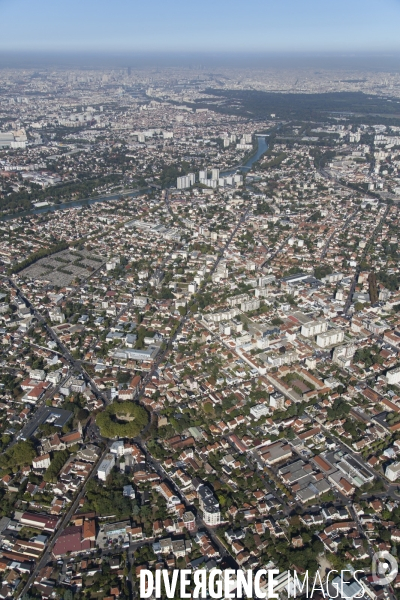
{"x": 362, "y": 258}
{"x": 293, "y": 232}
{"x": 189, "y": 313}
{"x": 75, "y": 364}
{"x": 152, "y": 462}
{"x": 65, "y": 521}
{"x": 140, "y": 441}
{"x": 327, "y": 175}
{"x": 343, "y": 227}
{"x": 278, "y": 250}
{"x": 199, "y": 521}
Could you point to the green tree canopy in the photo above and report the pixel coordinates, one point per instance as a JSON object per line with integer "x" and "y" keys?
{"x": 122, "y": 420}
{"x": 21, "y": 454}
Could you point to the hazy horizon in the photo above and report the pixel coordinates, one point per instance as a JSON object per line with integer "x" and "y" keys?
{"x": 379, "y": 61}
{"x": 254, "y": 26}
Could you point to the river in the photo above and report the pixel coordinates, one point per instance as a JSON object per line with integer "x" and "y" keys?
{"x": 262, "y": 147}
{"x": 73, "y": 204}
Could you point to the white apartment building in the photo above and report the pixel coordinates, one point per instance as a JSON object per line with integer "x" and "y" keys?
{"x": 37, "y": 374}
{"x": 236, "y": 300}
{"x": 209, "y": 506}
{"x": 117, "y": 448}
{"x": 330, "y": 338}
{"x": 262, "y": 292}
{"x": 222, "y": 316}
{"x": 393, "y": 376}
{"x": 332, "y": 277}
{"x": 393, "y": 471}
{"x": 78, "y": 385}
{"x": 224, "y": 328}
{"x": 342, "y": 355}
{"x": 186, "y": 181}
{"x": 277, "y": 359}
{"x": 277, "y": 401}
{"x": 265, "y": 280}
{"x": 212, "y": 183}
{"x": 250, "y": 305}
{"x": 54, "y": 377}
{"x": 105, "y": 467}
{"x": 72, "y": 385}
{"x": 314, "y": 328}
{"x": 140, "y": 301}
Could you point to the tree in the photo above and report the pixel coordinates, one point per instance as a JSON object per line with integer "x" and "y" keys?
{"x": 318, "y": 546}
{"x": 276, "y": 321}
{"x": 82, "y": 414}
{"x": 208, "y": 408}
{"x": 57, "y": 463}
{"x": 339, "y": 410}
{"x": 21, "y": 454}
{"x": 109, "y": 500}
{"x": 122, "y": 420}
{"x": 373, "y": 290}
{"x": 290, "y": 434}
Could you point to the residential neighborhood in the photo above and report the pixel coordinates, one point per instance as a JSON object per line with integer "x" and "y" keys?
{"x": 200, "y": 327}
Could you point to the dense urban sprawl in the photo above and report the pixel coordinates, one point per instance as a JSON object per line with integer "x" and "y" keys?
{"x": 200, "y": 327}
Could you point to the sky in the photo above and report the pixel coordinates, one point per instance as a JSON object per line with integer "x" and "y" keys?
{"x": 206, "y": 26}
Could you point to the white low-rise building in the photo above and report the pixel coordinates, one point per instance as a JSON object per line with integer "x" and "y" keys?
{"x": 393, "y": 471}
{"x": 54, "y": 377}
{"x": 393, "y": 376}
{"x": 56, "y": 315}
{"x": 117, "y": 448}
{"x": 259, "y": 410}
{"x": 41, "y": 462}
{"x": 106, "y": 466}
{"x": 37, "y": 374}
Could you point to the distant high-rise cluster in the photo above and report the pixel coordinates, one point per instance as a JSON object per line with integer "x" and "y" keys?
{"x": 214, "y": 181}
{"x": 244, "y": 143}
{"x": 186, "y": 181}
